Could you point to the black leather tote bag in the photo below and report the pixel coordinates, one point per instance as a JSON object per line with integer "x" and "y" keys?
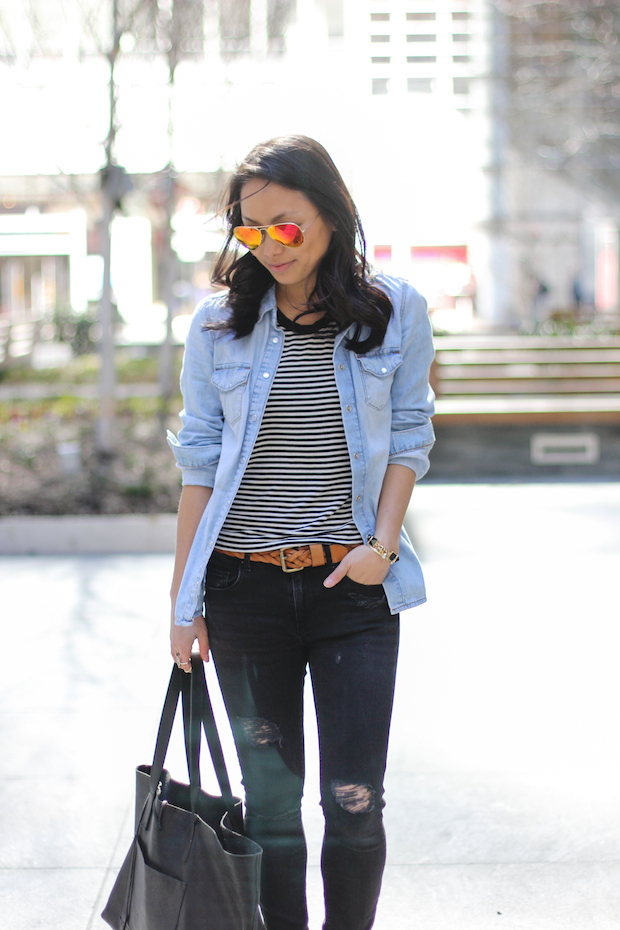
{"x": 189, "y": 867}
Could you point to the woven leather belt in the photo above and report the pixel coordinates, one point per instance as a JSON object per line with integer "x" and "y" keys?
{"x": 294, "y": 558}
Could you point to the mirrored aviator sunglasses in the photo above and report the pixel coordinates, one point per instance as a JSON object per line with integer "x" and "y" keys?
{"x": 288, "y": 234}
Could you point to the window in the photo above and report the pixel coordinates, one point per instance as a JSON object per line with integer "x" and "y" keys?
{"x": 460, "y": 37}
{"x": 461, "y": 59}
{"x": 380, "y": 61}
{"x": 420, "y": 85}
{"x": 380, "y": 85}
{"x": 379, "y": 38}
{"x": 421, "y": 17}
{"x": 460, "y": 85}
{"x": 421, "y": 59}
{"x": 379, "y": 17}
{"x": 421, "y": 38}
{"x": 460, "y": 16}
{"x": 31, "y": 285}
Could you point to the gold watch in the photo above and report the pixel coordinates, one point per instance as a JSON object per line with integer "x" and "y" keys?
{"x": 380, "y": 549}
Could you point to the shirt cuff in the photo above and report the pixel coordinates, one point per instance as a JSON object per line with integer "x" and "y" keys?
{"x": 202, "y": 476}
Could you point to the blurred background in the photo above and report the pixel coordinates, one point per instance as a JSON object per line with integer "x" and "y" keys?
{"x": 479, "y": 140}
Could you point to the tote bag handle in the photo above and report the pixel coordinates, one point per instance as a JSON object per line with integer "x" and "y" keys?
{"x": 201, "y": 715}
{"x": 197, "y": 714}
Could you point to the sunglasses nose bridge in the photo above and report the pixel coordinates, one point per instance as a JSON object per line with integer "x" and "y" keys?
{"x": 271, "y": 245}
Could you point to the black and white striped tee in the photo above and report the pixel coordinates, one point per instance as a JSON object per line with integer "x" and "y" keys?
{"x": 297, "y": 485}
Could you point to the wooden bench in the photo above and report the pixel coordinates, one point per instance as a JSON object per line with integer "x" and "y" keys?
{"x": 526, "y": 380}
{"x": 17, "y": 340}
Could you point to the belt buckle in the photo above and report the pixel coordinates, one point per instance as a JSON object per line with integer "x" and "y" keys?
{"x": 283, "y": 565}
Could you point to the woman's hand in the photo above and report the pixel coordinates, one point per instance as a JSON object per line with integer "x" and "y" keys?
{"x": 361, "y": 564}
{"x": 182, "y": 639}
{"x": 194, "y": 499}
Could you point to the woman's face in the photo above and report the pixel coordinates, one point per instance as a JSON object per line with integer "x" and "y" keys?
{"x": 268, "y": 204}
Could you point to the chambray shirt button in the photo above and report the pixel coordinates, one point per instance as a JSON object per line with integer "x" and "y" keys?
{"x": 275, "y": 340}
{"x": 359, "y": 497}
{"x": 265, "y": 374}
{"x": 349, "y": 408}
{"x": 253, "y": 418}
{"x": 341, "y": 367}
{"x": 383, "y": 371}
{"x": 356, "y": 455}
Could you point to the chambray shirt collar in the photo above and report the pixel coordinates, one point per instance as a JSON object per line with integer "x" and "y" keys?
{"x": 269, "y": 303}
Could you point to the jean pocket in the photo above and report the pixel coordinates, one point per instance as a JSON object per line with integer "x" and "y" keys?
{"x": 223, "y": 572}
{"x": 360, "y": 584}
{"x": 365, "y": 595}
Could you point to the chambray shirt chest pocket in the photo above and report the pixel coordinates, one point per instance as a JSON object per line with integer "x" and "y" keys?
{"x": 377, "y": 376}
{"x": 231, "y": 381}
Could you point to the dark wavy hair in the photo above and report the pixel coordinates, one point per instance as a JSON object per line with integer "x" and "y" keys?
{"x": 343, "y": 288}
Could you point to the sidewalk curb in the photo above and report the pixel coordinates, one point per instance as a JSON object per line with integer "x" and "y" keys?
{"x": 87, "y": 534}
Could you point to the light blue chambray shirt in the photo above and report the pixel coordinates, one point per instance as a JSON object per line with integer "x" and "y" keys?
{"x": 386, "y": 409}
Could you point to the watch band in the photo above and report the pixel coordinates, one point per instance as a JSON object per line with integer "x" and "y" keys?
{"x": 380, "y": 549}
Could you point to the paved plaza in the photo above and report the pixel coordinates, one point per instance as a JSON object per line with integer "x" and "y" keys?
{"x": 503, "y": 792}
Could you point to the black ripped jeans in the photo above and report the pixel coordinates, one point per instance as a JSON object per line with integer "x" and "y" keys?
{"x": 265, "y": 627}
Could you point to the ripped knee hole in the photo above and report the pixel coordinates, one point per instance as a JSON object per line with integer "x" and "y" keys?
{"x": 353, "y": 798}
{"x": 260, "y": 732}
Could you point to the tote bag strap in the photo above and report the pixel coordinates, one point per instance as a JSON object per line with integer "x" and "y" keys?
{"x": 197, "y": 713}
{"x": 201, "y": 715}
{"x": 165, "y": 727}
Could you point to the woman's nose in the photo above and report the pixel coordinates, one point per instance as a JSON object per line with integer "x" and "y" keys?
{"x": 269, "y": 247}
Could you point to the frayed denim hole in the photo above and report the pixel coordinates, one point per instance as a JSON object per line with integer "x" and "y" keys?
{"x": 353, "y": 798}
{"x": 366, "y": 600}
{"x": 259, "y": 732}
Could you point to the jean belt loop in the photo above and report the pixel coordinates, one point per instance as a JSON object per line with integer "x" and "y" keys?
{"x": 246, "y": 567}
{"x": 327, "y": 549}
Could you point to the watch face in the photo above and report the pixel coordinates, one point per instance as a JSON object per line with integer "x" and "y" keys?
{"x": 374, "y": 543}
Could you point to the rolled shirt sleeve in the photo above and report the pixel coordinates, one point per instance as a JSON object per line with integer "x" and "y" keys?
{"x": 413, "y": 401}
{"x": 198, "y": 445}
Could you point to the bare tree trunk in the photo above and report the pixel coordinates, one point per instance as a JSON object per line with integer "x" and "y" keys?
{"x": 105, "y": 438}
{"x": 169, "y": 257}
{"x": 107, "y": 376}
{"x": 169, "y": 261}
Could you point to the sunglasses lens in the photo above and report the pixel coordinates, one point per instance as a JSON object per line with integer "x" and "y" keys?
{"x": 248, "y": 236}
{"x": 287, "y": 234}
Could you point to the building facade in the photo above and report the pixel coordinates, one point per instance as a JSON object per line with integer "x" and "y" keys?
{"x": 411, "y": 98}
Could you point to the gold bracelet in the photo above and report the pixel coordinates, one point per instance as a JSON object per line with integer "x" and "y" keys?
{"x": 380, "y": 549}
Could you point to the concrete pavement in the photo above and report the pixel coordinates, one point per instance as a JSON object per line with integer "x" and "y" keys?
{"x": 503, "y": 792}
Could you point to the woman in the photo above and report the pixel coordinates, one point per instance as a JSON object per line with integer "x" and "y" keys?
{"x": 306, "y": 421}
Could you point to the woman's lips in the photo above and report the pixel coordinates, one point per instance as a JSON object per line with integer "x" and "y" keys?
{"x": 280, "y": 268}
